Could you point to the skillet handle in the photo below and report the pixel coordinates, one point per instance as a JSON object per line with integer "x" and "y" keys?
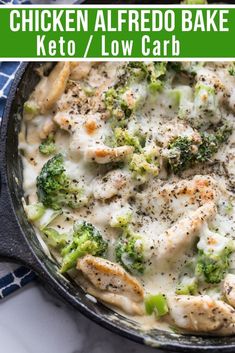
{"x": 13, "y": 246}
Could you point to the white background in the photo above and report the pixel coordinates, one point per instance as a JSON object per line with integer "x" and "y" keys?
{"x": 32, "y": 321}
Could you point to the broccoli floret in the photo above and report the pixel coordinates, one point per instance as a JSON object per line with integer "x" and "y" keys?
{"x": 122, "y": 137}
{"x": 129, "y": 248}
{"x": 48, "y": 146}
{"x": 137, "y": 71}
{"x": 55, "y": 189}
{"x": 34, "y": 211}
{"x": 206, "y": 108}
{"x": 116, "y": 105}
{"x": 189, "y": 68}
{"x": 214, "y": 251}
{"x": 42, "y": 217}
{"x": 213, "y": 267}
{"x": 54, "y": 239}
{"x": 121, "y": 219}
{"x": 180, "y": 154}
{"x": 156, "y": 74}
{"x": 188, "y": 282}
{"x": 130, "y": 252}
{"x": 86, "y": 240}
{"x": 144, "y": 164}
{"x": 153, "y": 73}
{"x": 211, "y": 142}
{"x": 187, "y": 286}
{"x": 31, "y": 109}
{"x": 231, "y": 69}
{"x": 183, "y": 152}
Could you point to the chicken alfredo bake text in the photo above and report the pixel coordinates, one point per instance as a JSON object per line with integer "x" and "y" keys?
{"x": 129, "y": 179}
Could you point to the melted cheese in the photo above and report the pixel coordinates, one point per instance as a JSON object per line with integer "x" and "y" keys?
{"x": 162, "y": 203}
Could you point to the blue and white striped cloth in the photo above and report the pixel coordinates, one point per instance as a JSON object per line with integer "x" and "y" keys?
{"x": 12, "y": 276}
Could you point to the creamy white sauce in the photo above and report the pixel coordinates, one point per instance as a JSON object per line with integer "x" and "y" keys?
{"x": 157, "y": 116}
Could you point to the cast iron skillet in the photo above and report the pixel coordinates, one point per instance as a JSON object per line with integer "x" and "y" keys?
{"x": 18, "y": 241}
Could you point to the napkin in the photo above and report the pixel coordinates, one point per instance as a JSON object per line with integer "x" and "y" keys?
{"x": 12, "y": 276}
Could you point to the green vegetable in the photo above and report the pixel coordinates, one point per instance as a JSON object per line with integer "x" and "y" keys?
{"x": 152, "y": 72}
{"x": 86, "y": 240}
{"x": 121, "y": 220}
{"x": 205, "y": 99}
{"x": 117, "y": 104}
{"x": 136, "y": 71}
{"x": 122, "y": 137}
{"x": 54, "y": 238}
{"x": 88, "y": 90}
{"x": 155, "y": 78}
{"x": 55, "y": 189}
{"x": 145, "y": 164}
{"x": 229, "y": 208}
{"x": 183, "y": 152}
{"x": 212, "y": 142}
{"x": 48, "y": 146}
{"x": 214, "y": 251}
{"x": 47, "y": 218}
{"x": 34, "y": 211}
{"x": 189, "y": 68}
{"x": 187, "y": 286}
{"x": 156, "y": 304}
{"x": 130, "y": 252}
{"x": 30, "y": 109}
{"x": 213, "y": 267}
{"x": 174, "y": 96}
{"x": 206, "y": 106}
{"x": 231, "y": 70}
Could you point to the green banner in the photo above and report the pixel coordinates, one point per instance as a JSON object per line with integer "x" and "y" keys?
{"x": 47, "y": 32}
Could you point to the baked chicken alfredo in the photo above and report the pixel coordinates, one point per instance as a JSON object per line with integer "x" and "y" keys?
{"x": 129, "y": 180}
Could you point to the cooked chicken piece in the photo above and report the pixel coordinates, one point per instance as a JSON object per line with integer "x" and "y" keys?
{"x": 64, "y": 121}
{"x": 105, "y": 154}
{"x": 182, "y": 234}
{"x": 176, "y": 198}
{"x": 201, "y": 188}
{"x": 87, "y": 138}
{"x": 211, "y": 78}
{"x": 80, "y": 70}
{"x": 80, "y": 98}
{"x": 168, "y": 132}
{"x": 73, "y": 99}
{"x": 111, "y": 283}
{"x": 71, "y": 123}
{"x": 51, "y": 87}
{"x": 229, "y": 289}
{"x": 111, "y": 184}
{"x": 48, "y": 127}
{"x": 202, "y": 314}
{"x": 222, "y": 83}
